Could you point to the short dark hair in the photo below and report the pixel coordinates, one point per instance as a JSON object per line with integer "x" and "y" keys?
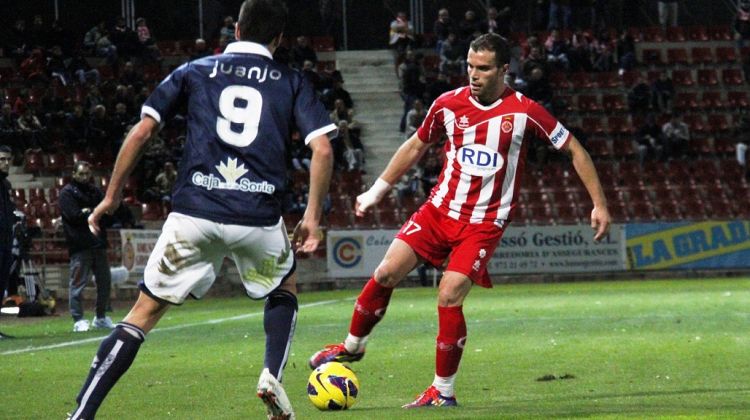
{"x": 5, "y": 149}
{"x": 495, "y": 43}
{"x": 81, "y": 164}
{"x": 261, "y": 20}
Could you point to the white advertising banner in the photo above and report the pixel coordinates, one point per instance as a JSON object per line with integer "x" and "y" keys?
{"x": 524, "y": 249}
{"x": 136, "y": 248}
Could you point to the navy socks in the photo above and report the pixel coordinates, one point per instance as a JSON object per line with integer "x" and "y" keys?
{"x": 116, "y": 354}
{"x": 279, "y": 320}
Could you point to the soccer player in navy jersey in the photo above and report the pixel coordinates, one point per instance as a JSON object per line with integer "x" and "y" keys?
{"x": 488, "y": 127}
{"x": 240, "y": 109}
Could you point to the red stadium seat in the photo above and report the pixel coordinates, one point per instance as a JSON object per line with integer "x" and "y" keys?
{"x": 57, "y": 163}
{"x": 732, "y": 77}
{"x": 686, "y": 101}
{"x": 737, "y": 100}
{"x": 669, "y": 211}
{"x": 36, "y": 196}
{"x": 726, "y": 55}
{"x": 712, "y": 100}
{"x": 630, "y": 76}
{"x": 581, "y": 80}
{"x": 623, "y": 149}
{"x": 652, "y": 34}
{"x": 389, "y": 219}
{"x": 589, "y": 103}
{"x": 152, "y": 211}
{"x": 567, "y": 214}
{"x": 718, "y": 123}
{"x": 619, "y": 126}
{"x": 559, "y": 80}
{"x": 682, "y": 78}
{"x": 652, "y": 56}
{"x": 643, "y": 212}
{"x": 33, "y": 162}
{"x": 368, "y": 221}
{"x": 323, "y": 43}
{"x": 707, "y": 77}
{"x": 720, "y": 33}
{"x": 675, "y": 34}
{"x": 695, "y": 122}
{"x": 609, "y": 80}
{"x": 614, "y": 103}
{"x": 339, "y": 219}
{"x": 619, "y": 212}
{"x": 593, "y": 125}
{"x": 701, "y": 55}
{"x": 291, "y": 220}
{"x": 697, "y": 33}
{"x": 677, "y": 56}
{"x": 598, "y": 148}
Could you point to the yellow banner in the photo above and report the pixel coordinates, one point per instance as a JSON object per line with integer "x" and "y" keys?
{"x": 676, "y": 246}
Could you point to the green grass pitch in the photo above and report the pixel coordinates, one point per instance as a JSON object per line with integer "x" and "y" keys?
{"x": 628, "y": 349}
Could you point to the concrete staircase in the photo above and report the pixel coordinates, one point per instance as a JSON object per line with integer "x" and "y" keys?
{"x": 370, "y": 78}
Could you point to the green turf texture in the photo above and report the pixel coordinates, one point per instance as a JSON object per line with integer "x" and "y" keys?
{"x": 632, "y": 349}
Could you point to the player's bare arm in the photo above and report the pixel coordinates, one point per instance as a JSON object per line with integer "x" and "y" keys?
{"x": 405, "y": 157}
{"x": 600, "y": 218}
{"x": 307, "y": 235}
{"x": 127, "y": 158}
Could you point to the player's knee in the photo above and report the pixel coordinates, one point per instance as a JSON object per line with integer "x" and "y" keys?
{"x": 386, "y": 276}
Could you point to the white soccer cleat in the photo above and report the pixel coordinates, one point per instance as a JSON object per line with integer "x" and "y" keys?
{"x": 272, "y": 393}
{"x": 81, "y": 325}
{"x": 105, "y": 323}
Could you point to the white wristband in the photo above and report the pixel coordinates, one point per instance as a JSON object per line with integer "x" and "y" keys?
{"x": 372, "y": 196}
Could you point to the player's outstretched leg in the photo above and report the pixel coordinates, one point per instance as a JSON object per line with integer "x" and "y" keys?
{"x": 449, "y": 349}
{"x": 368, "y": 311}
{"x": 280, "y": 318}
{"x": 116, "y": 354}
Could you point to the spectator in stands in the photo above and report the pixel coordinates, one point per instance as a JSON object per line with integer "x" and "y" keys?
{"x": 38, "y": 35}
{"x": 105, "y": 48}
{"x": 165, "y": 181}
{"x": 557, "y": 50}
{"x": 337, "y": 91}
{"x": 101, "y": 131}
{"x": 604, "y": 59}
{"x": 742, "y": 136}
{"x": 676, "y": 137}
{"x": 312, "y": 75}
{"x": 149, "y": 49}
{"x": 121, "y": 120}
{"x": 125, "y": 39}
{"x": 663, "y": 91}
{"x": 452, "y": 56}
{"x": 741, "y": 24}
{"x": 75, "y": 129}
{"x": 300, "y": 155}
{"x": 130, "y": 77}
{"x": 352, "y": 148}
{"x": 443, "y": 26}
{"x": 17, "y": 44}
{"x": 31, "y": 129}
{"x": 88, "y": 252}
{"x": 227, "y": 31}
{"x": 535, "y": 59}
{"x": 581, "y": 51}
{"x": 61, "y": 36}
{"x": 93, "y": 98}
{"x": 401, "y": 35}
{"x": 92, "y": 37}
{"x": 639, "y": 98}
{"x": 412, "y": 83}
{"x": 301, "y": 52}
{"x": 539, "y": 89}
{"x": 223, "y": 42}
{"x": 468, "y": 27}
{"x": 342, "y": 113}
{"x": 200, "y": 49}
{"x": 9, "y": 133}
{"x": 626, "y": 51}
{"x": 498, "y": 22}
{"x": 415, "y": 117}
{"x": 56, "y": 67}
{"x": 33, "y": 68}
{"x": 560, "y": 14}
{"x": 82, "y": 70}
{"x": 649, "y": 140}
{"x": 667, "y": 13}
{"x": 437, "y": 87}
{"x": 7, "y": 221}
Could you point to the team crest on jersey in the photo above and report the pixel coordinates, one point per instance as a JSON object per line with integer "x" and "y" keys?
{"x": 506, "y": 126}
{"x": 463, "y": 122}
{"x": 479, "y": 160}
{"x": 232, "y": 174}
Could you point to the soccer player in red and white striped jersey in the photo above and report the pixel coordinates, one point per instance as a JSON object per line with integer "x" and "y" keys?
{"x": 489, "y": 127}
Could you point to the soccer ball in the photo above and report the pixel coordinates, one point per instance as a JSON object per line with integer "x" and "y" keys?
{"x": 333, "y": 386}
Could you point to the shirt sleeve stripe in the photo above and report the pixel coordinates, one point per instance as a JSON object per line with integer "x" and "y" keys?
{"x": 151, "y": 112}
{"x": 323, "y": 130}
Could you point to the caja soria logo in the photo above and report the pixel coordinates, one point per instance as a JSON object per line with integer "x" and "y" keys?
{"x": 347, "y": 251}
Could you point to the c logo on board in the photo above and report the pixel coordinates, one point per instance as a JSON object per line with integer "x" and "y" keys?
{"x": 347, "y": 251}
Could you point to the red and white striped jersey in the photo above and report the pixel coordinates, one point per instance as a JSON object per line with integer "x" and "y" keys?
{"x": 485, "y": 152}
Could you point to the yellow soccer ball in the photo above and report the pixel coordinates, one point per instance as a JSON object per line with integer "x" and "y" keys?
{"x": 333, "y": 386}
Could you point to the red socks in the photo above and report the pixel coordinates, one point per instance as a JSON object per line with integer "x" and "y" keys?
{"x": 370, "y": 308}
{"x": 450, "y": 340}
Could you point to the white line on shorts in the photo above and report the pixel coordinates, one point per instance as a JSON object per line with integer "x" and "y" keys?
{"x": 172, "y": 328}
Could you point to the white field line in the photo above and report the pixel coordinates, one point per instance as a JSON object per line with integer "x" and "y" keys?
{"x": 172, "y": 328}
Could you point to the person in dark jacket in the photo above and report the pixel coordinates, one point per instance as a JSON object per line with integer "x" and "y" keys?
{"x": 88, "y": 252}
{"x": 7, "y": 220}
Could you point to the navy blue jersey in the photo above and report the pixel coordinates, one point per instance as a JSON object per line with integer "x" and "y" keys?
{"x": 241, "y": 109}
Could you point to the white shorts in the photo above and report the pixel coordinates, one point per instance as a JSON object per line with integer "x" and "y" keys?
{"x": 190, "y": 252}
